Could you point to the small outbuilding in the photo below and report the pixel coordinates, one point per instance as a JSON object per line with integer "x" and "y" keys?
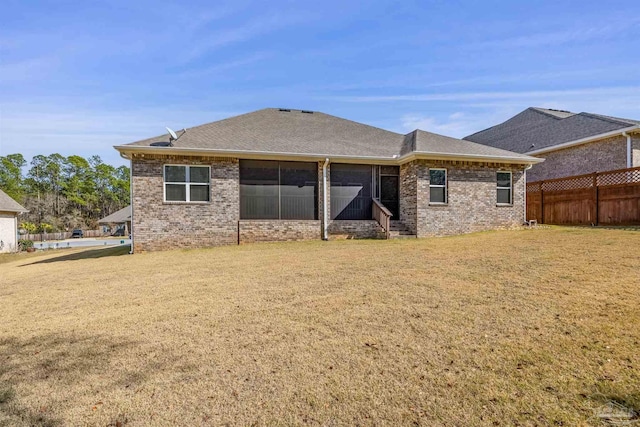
{"x": 9, "y": 211}
{"x": 121, "y": 219}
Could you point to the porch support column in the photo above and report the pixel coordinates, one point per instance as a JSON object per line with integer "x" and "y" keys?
{"x": 325, "y": 200}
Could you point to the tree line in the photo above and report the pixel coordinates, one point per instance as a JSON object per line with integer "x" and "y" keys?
{"x": 62, "y": 193}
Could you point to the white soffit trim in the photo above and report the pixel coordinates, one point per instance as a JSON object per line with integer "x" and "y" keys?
{"x": 469, "y": 157}
{"x": 265, "y": 155}
{"x": 582, "y": 140}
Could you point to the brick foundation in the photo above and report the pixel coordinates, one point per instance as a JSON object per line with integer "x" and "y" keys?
{"x": 278, "y": 230}
{"x": 362, "y": 229}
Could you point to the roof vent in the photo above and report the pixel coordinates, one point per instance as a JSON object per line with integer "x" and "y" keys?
{"x": 306, "y": 112}
{"x": 162, "y": 144}
{"x": 285, "y": 110}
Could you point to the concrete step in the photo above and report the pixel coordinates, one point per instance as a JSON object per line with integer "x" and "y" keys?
{"x": 398, "y": 226}
{"x": 402, "y": 236}
{"x": 397, "y": 230}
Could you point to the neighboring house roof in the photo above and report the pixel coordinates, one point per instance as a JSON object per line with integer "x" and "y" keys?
{"x": 299, "y": 133}
{"x": 536, "y": 129}
{"x": 123, "y": 215}
{"x": 432, "y": 143}
{"x": 7, "y": 204}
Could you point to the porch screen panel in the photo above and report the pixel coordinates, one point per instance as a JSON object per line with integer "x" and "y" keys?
{"x": 259, "y": 190}
{"x": 351, "y": 192}
{"x": 278, "y": 190}
{"x": 298, "y": 190}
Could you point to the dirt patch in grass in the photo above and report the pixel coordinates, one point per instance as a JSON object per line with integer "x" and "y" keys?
{"x": 530, "y": 327}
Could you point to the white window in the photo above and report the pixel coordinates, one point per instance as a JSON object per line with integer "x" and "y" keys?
{"x": 504, "y": 188}
{"x": 186, "y": 183}
{"x": 438, "y": 186}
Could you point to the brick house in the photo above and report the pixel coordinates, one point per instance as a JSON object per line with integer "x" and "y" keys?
{"x": 570, "y": 143}
{"x": 280, "y": 174}
{"x": 9, "y": 211}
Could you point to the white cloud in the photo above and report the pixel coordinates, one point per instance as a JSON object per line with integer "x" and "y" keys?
{"x": 228, "y": 65}
{"x": 457, "y": 125}
{"x": 623, "y": 92}
{"x": 576, "y": 35}
{"x": 218, "y": 38}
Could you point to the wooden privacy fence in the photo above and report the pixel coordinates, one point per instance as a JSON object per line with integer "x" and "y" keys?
{"x": 601, "y": 198}
{"x": 39, "y": 237}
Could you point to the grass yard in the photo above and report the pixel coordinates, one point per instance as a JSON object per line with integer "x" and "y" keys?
{"x": 529, "y": 327}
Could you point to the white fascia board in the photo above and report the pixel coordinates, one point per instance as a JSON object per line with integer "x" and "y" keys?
{"x": 126, "y": 151}
{"x": 582, "y": 141}
{"x": 469, "y": 157}
{"x": 258, "y": 155}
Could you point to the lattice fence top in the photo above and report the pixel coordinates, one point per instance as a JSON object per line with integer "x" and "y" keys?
{"x": 629, "y": 176}
{"x": 572, "y": 183}
{"x": 602, "y": 179}
{"x": 533, "y": 187}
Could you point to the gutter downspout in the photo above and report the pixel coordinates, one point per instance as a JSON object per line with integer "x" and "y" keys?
{"x": 629, "y": 162}
{"x": 131, "y": 200}
{"x": 325, "y": 211}
{"x": 130, "y": 197}
{"x": 525, "y": 192}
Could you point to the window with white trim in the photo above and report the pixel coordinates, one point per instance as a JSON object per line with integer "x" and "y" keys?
{"x": 504, "y": 188}
{"x": 187, "y": 183}
{"x": 437, "y": 186}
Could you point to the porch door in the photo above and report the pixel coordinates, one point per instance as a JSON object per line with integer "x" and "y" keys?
{"x": 389, "y": 194}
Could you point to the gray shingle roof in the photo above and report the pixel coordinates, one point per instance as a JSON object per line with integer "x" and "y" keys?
{"x": 7, "y": 204}
{"x": 117, "y": 217}
{"x": 561, "y": 114}
{"x": 274, "y": 130}
{"x": 290, "y": 131}
{"x": 428, "y": 142}
{"x": 538, "y": 128}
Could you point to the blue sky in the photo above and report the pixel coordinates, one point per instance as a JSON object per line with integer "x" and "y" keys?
{"x": 80, "y": 77}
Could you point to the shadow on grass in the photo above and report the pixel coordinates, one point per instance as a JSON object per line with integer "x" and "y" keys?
{"x": 88, "y": 254}
{"x": 59, "y": 362}
{"x": 620, "y": 227}
{"x": 604, "y": 227}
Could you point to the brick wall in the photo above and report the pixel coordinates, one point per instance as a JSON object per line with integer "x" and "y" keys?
{"x": 635, "y": 150}
{"x": 159, "y": 225}
{"x": 408, "y": 196}
{"x": 278, "y": 231}
{"x": 599, "y": 156}
{"x": 361, "y": 229}
{"x": 471, "y": 206}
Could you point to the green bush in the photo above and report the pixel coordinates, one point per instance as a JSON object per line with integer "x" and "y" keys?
{"x": 25, "y": 244}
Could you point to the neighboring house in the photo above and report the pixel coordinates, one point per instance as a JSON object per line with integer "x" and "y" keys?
{"x": 9, "y": 211}
{"x": 121, "y": 219}
{"x": 280, "y": 174}
{"x": 570, "y": 143}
